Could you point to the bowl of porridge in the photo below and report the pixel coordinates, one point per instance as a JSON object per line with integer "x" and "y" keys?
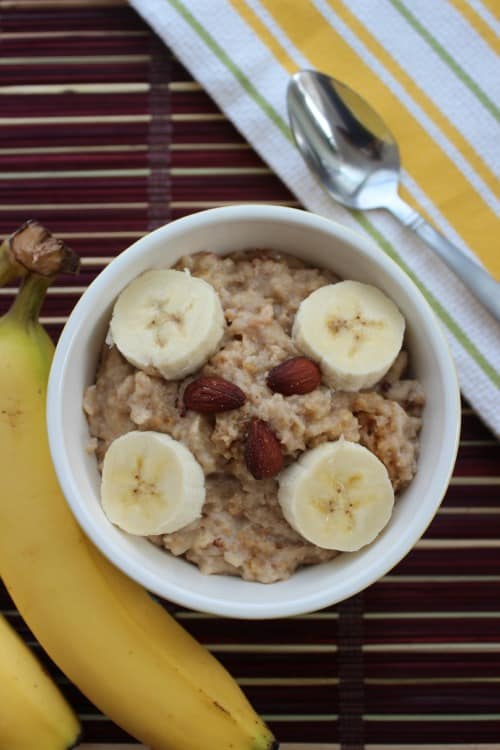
{"x": 253, "y": 412}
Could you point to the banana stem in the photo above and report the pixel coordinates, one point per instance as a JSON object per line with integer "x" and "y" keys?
{"x": 28, "y": 302}
{"x": 32, "y": 248}
{"x": 8, "y": 270}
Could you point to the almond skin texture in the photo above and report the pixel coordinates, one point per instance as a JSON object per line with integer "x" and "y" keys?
{"x": 263, "y": 455}
{"x": 298, "y": 375}
{"x": 213, "y": 395}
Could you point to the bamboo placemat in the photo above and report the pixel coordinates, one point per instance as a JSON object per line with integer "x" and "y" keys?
{"x": 103, "y": 136}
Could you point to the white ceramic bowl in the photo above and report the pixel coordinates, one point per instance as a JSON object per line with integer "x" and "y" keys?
{"x": 318, "y": 241}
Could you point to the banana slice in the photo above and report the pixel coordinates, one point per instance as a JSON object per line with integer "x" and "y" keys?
{"x": 337, "y": 496}
{"x": 151, "y": 484}
{"x": 167, "y": 322}
{"x": 353, "y": 330}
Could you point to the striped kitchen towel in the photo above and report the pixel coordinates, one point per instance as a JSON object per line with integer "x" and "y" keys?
{"x": 431, "y": 69}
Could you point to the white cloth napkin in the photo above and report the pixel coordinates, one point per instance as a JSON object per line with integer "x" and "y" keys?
{"x": 437, "y": 63}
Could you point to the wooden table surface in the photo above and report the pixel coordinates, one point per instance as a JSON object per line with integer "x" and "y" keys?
{"x": 104, "y": 136}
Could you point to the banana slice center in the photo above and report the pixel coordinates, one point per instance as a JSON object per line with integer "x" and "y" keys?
{"x": 166, "y": 324}
{"x": 144, "y": 489}
{"x": 357, "y": 330}
{"x": 340, "y": 498}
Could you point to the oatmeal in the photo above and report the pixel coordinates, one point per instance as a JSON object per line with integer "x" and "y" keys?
{"x": 242, "y": 530}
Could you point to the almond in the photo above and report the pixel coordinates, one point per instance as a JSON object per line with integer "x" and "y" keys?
{"x": 262, "y": 450}
{"x": 213, "y": 395}
{"x": 297, "y": 375}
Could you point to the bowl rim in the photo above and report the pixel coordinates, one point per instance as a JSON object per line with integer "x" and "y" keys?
{"x": 170, "y": 590}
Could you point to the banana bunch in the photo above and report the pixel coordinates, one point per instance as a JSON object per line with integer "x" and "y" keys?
{"x": 122, "y": 650}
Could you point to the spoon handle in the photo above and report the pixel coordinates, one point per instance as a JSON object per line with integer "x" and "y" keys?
{"x": 479, "y": 281}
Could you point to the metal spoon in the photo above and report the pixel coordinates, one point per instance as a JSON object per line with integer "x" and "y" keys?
{"x": 353, "y": 154}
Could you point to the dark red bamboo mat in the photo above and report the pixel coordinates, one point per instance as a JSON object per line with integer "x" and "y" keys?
{"x": 104, "y": 136}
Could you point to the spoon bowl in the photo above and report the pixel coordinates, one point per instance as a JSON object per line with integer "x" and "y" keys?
{"x": 343, "y": 140}
{"x": 355, "y": 157}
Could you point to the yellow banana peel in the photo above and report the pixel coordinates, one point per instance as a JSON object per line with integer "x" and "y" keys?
{"x": 33, "y": 713}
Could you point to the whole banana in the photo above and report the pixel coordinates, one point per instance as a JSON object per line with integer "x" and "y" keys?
{"x": 121, "y": 649}
{"x": 33, "y": 713}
